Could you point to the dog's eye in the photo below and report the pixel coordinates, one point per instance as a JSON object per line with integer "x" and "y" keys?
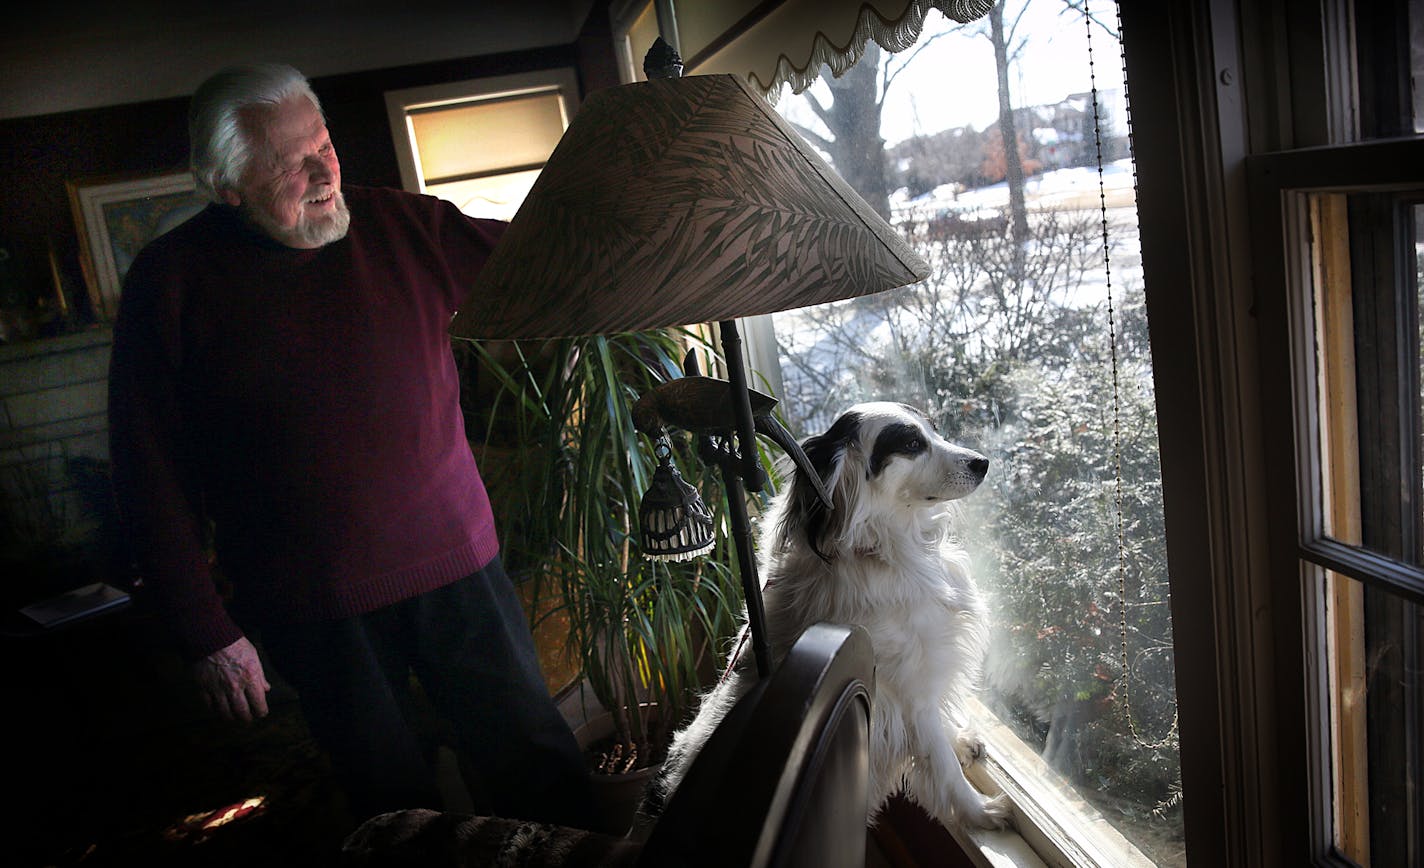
{"x": 896, "y": 439}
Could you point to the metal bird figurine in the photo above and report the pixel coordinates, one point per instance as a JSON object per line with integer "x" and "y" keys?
{"x": 703, "y": 405}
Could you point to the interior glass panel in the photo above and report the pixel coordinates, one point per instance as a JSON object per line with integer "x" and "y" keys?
{"x": 1418, "y": 262}
{"x": 1375, "y": 662}
{"x": 1364, "y": 266}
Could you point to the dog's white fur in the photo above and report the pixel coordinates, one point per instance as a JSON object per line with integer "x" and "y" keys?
{"x": 883, "y": 558}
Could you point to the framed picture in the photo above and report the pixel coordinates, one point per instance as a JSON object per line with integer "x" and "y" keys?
{"x": 116, "y": 217}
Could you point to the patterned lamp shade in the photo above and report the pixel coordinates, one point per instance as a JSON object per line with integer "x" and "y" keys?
{"x": 680, "y": 201}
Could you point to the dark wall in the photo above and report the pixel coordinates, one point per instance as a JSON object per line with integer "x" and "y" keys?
{"x": 46, "y": 151}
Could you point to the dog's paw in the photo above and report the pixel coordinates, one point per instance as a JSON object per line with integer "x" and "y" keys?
{"x": 992, "y": 813}
{"x": 969, "y": 748}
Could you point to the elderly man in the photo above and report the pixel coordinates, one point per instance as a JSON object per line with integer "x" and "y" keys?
{"x": 282, "y": 391}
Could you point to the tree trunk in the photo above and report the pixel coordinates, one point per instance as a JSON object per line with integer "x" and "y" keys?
{"x": 1013, "y": 161}
{"x": 858, "y": 151}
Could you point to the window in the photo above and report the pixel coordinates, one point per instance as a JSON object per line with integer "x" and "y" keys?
{"x": 481, "y": 143}
{"x": 1029, "y": 344}
{"x": 1337, "y": 240}
{"x": 1345, "y": 307}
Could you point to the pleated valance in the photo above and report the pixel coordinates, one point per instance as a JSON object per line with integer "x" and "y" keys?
{"x": 771, "y": 44}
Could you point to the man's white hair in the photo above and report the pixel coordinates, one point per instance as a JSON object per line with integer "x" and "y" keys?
{"x": 219, "y": 148}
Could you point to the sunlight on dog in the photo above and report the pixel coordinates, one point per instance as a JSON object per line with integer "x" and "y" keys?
{"x": 882, "y": 558}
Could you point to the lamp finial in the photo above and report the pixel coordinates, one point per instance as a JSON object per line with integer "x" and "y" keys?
{"x": 662, "y": 61}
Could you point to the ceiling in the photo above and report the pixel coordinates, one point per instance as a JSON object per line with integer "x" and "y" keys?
{"x": 77, "y": 55}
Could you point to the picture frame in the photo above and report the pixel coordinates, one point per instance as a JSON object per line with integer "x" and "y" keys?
{"x": 116, "y": 216}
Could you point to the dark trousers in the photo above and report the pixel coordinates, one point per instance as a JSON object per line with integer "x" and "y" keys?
{"x": 470, "y": 647}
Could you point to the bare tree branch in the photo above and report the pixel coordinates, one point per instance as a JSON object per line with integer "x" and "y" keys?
{"x": 822, "y": 111}
{"x": 1079, "y": 6}
{"x": 890, "y": 73}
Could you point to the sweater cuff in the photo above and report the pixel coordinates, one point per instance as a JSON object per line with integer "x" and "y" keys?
{"x": 195, "y": 644}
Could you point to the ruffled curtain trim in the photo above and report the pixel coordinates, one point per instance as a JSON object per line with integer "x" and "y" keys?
{"x": 893, "y": 36}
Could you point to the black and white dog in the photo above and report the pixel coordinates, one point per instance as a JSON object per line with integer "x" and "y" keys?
{"x": 883, "y": 558}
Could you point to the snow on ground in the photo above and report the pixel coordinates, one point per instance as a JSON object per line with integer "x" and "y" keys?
{"x": 1070, "y": 188}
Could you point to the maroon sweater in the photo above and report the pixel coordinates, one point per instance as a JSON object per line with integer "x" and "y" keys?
{"x": 306, "y": 403}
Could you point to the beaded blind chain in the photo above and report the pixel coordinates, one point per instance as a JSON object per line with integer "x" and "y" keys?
{"x": 1116, "y": 418}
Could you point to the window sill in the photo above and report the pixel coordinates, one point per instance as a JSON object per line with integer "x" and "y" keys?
{"x": 1002, "y": 849}
{"x": 1052, "y": 825}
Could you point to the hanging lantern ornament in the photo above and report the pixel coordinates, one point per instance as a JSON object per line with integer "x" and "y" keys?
{"x": 676, "y": 524}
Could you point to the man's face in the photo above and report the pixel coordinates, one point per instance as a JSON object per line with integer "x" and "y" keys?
{"x": 291, "y": 187}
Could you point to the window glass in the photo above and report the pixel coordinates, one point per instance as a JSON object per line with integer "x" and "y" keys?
{"x": 1028, "y": 343}
{"x": 1368, "y": 403}
{"x": 1375, "y": 662}
{"x": 1367, "y": 368}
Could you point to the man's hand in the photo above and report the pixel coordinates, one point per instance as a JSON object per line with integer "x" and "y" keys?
{"x": 233, "y": 683}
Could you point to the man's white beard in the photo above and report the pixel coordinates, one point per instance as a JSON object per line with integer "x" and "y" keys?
{"x": 309, "y": 232}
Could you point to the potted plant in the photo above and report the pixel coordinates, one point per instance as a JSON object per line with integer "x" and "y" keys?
{"x": 645, "y": 635}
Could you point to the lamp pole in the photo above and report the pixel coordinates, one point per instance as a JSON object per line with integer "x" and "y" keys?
{"x": 743, "y": 466}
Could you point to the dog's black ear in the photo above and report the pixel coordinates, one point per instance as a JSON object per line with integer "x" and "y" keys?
{"x": 826, "y": 453}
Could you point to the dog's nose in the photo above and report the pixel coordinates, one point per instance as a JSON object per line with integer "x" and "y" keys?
{"x": 979, "y": 466}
